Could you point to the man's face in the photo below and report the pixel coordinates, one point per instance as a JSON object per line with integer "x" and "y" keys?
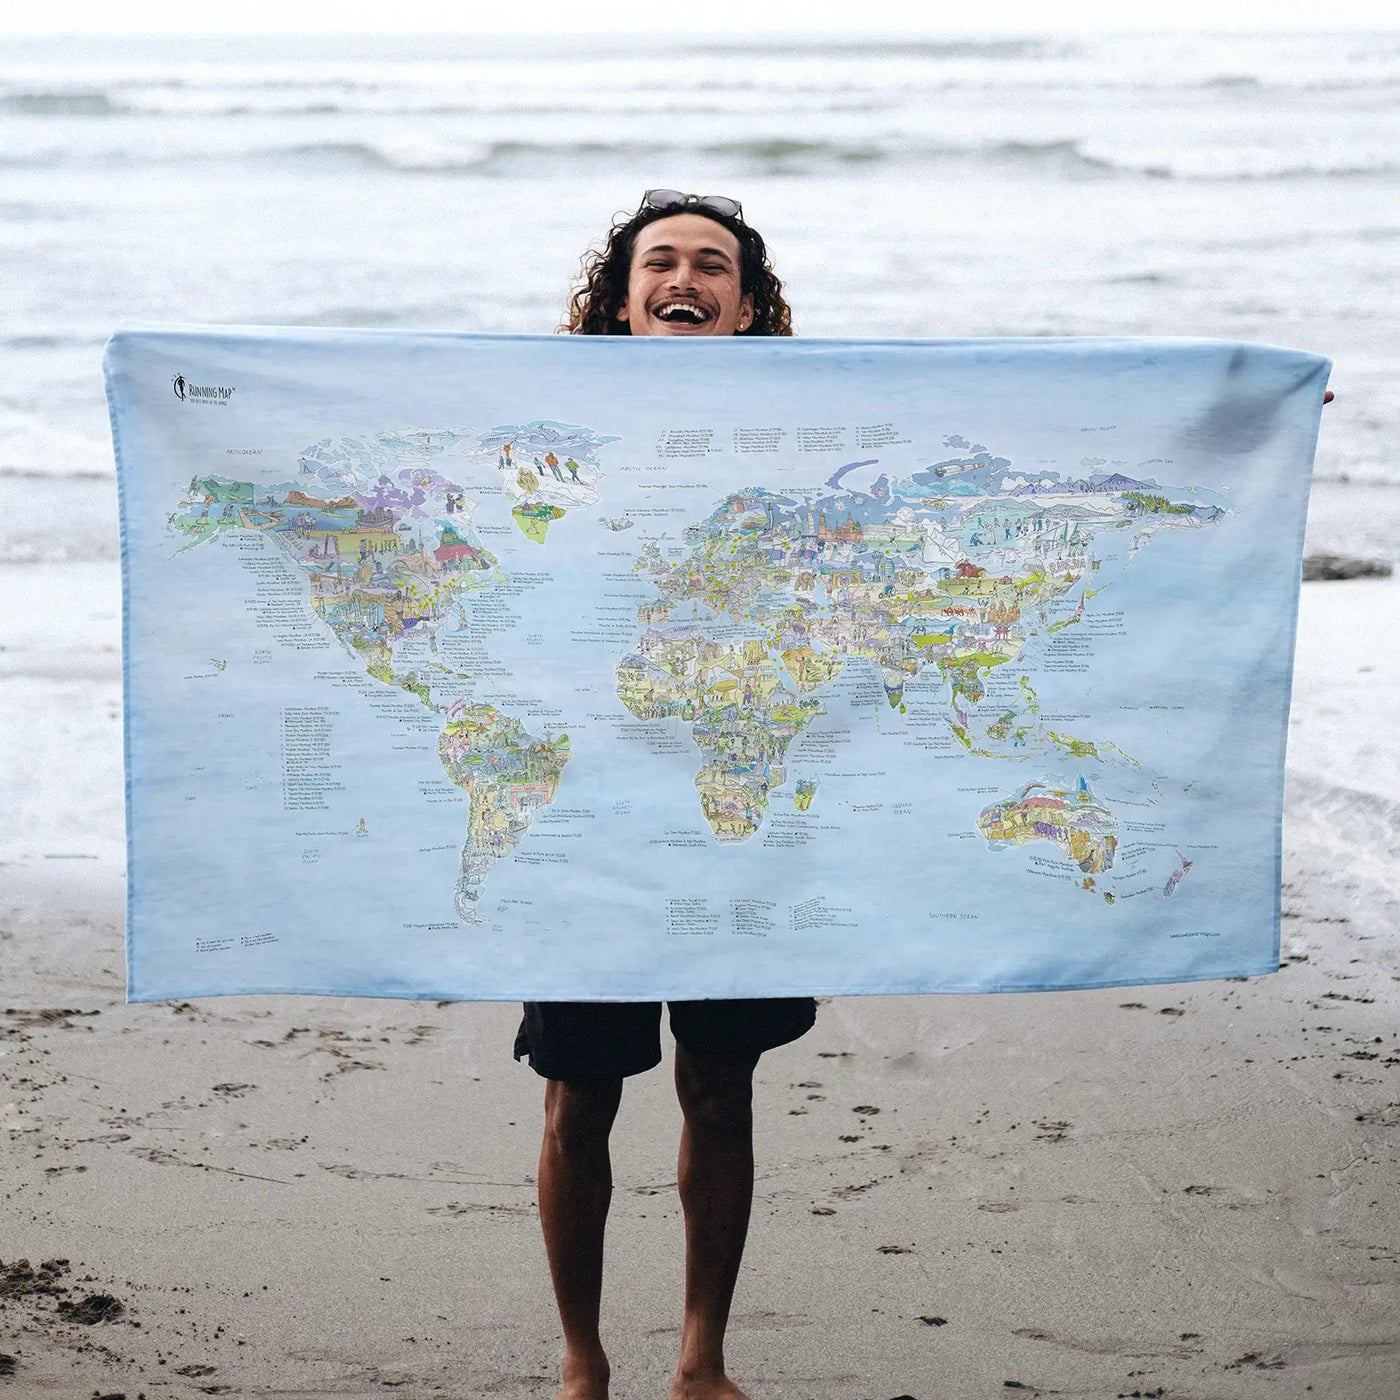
{"x": 685, "y": 280}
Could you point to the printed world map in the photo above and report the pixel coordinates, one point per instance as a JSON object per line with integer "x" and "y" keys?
{"x": 962, "y": 582}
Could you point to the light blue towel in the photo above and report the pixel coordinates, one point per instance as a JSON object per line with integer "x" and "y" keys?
{"x": 592, "y": 668}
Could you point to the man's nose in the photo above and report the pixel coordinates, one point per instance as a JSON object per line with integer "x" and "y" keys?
{"x": 682, "y": 278}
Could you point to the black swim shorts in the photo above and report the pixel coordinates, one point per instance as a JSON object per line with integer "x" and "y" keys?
{"x": 612, "y": 1039}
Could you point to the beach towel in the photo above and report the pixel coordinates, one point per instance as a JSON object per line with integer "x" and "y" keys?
{"x": 572, "y": 668}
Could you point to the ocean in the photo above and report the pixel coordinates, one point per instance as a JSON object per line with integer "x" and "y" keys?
{"x": 1233, "y": 186}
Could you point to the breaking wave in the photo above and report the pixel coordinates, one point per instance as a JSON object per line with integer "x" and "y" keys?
{"x": 783, "y": 155}
{"x": 60, "y": 103}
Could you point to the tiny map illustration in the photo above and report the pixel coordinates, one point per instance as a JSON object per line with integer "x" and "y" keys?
{"x": 930, "y": 687}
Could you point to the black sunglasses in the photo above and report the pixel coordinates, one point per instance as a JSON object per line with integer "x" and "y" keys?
{"x": 678, "y": 199}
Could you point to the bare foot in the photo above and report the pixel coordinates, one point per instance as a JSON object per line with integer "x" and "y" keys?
{"x": 713, "y": 1385}
{"x": 585, "y": 1376}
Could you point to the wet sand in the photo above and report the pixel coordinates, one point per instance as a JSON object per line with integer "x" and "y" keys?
{"x": 1173, "y": 1191}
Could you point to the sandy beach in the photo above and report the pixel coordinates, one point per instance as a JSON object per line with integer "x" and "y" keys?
{"x": 1174, "y": 1191}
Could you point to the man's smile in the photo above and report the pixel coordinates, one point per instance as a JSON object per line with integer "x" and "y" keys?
{"x": 681, "y": 311}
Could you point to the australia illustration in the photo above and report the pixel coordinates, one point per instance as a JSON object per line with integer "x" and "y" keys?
{"x": 1074, "y": 822}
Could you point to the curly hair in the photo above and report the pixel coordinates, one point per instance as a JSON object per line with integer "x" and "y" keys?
{"x": 603, "y": 274}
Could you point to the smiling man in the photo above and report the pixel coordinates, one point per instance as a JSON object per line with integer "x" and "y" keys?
{"x": 681, "y": 265}
{"x": 684, "y": 280}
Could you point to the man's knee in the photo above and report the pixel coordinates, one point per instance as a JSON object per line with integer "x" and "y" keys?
{"x": 578, "y": 1114}
{"x": 716, "y": 1095}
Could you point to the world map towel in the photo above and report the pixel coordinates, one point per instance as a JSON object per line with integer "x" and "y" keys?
{"x": 570, "y": 668}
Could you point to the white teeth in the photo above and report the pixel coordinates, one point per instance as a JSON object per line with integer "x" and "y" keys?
{"x": 670, "y": 307}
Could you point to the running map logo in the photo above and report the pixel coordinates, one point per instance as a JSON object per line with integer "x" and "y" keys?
{"x": 199, "y": 393}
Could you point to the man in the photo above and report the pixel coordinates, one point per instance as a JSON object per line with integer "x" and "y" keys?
{"x": 681, "y": 265}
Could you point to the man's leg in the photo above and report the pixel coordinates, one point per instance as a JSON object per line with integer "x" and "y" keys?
{"x": 575, "y": 1189}
{"x": 715, "y": 1174}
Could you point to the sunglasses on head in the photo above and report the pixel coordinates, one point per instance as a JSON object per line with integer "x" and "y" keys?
{"x": 678, "y": 199}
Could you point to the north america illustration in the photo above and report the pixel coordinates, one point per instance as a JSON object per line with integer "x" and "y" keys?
{"x": 385, "y": 542}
